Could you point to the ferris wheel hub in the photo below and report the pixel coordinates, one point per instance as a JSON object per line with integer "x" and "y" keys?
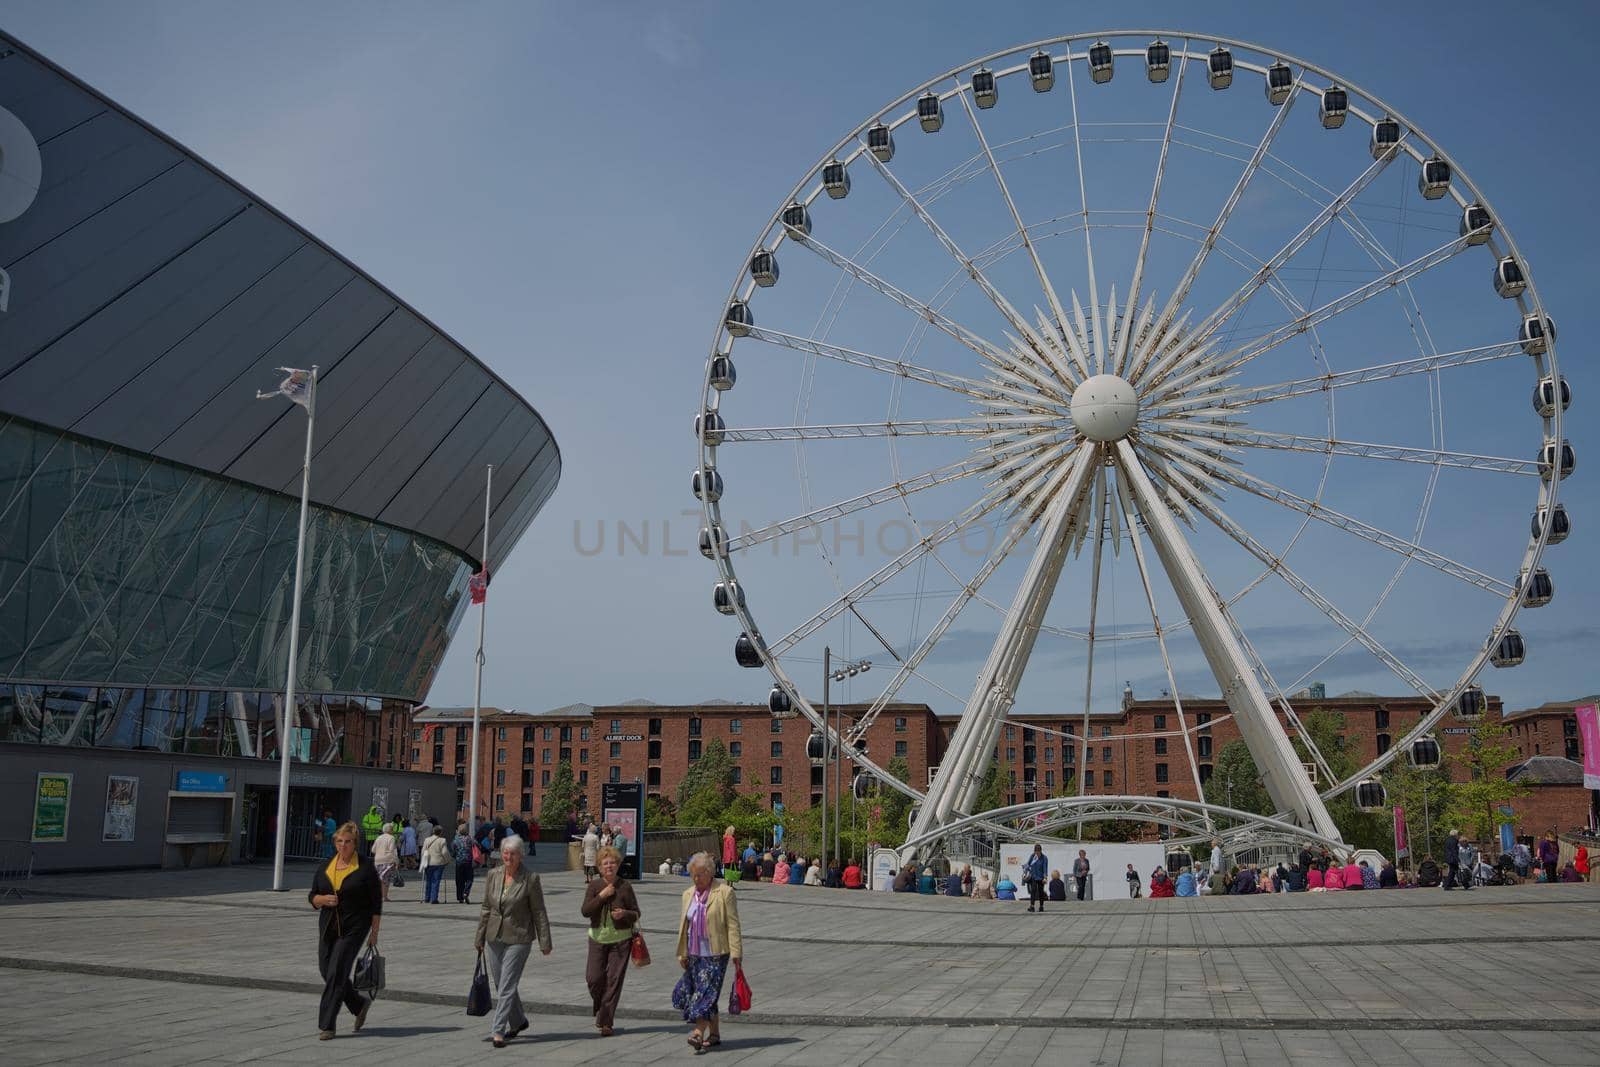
{"x": 1105, "y": 408}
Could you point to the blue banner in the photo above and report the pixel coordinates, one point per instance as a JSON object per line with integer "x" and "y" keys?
{"x": 1507, "y": 842}
{"x": 202, "y": 782}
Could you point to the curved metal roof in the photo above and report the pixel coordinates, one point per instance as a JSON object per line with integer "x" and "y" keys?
{"x": 151, "y": 295}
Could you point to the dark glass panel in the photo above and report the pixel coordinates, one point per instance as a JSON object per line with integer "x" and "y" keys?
{"x": 21, "y": 712}
{"x": 69, "y": 717}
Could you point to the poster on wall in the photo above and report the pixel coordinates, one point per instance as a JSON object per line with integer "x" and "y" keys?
{"x": 414, "y": 806}
{"x": 122, "y": 805}
{"x": 380, "y": 800}
{"x": 52, "y": 793}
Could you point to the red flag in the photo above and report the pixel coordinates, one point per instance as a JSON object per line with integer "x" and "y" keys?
{"x": 478, "y": 586}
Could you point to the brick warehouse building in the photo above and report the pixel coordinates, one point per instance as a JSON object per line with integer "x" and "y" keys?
{"x": 1122, "y": 759}
{"x": 655, "y": 743}
{"x": 651, "y": 743}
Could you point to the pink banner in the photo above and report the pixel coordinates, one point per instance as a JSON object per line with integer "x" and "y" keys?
{"x": 1402, "y": 847}
{"x": 1589, "y": 738}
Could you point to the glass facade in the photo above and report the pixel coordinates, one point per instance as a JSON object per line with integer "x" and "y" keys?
{"x": 145, "y": 603}
{"x": 367, "y": 731}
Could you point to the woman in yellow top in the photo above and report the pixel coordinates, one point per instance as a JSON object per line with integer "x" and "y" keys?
{"x": 349, "y": 901}
{"x": 708, "y": 938}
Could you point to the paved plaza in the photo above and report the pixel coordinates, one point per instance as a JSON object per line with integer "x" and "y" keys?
{"x": 209, "y": 966}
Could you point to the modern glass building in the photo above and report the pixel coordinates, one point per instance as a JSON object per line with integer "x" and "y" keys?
{"x": 148, "y": 500}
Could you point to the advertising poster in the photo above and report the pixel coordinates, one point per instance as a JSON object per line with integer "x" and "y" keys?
{"x": 1402, "y": 844}
{"x": 622, "y": 807}
{"x": 380, "y": 800}
{"x": 414, "y": 806}
{"x": 52, "y": 792}
{"x": 122, "y": 805}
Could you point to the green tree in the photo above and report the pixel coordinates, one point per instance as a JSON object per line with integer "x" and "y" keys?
{"x": 1425, "y": 796}
{"x": 1475, "y": 801}
{"x": 887, "y": 820}
{"x": 707, "y": 788}
{"x": 992, "y": 793}
{"x": 560, "y": 798}
{"x": 1359, "y": 829}
{"x": 659, "y": 813}
{"x": 1235, "y": 783}
{"x": 750, "y": 818}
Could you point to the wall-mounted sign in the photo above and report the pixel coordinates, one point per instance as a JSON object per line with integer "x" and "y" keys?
{"x": 122, "y": 806}
{"x": 623, "y": 737}
{"x": 202, "y": 782}
{"x": 52, "y": 795}
{"x": 1458, "y": 729}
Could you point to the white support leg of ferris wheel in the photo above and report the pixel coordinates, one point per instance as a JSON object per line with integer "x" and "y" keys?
{"x": 1282, "y": 774}
{"x": 961, "y": 772}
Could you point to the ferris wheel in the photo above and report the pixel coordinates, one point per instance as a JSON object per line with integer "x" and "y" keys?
{"x": 1137, "y": 352}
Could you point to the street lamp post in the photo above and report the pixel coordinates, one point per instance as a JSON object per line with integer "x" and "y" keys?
{"x": 831, "y": 746}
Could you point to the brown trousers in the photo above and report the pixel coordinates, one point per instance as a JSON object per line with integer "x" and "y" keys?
{"x": 607, "y": 967}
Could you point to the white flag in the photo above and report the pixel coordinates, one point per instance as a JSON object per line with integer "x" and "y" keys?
{"x": 296, "y": 387}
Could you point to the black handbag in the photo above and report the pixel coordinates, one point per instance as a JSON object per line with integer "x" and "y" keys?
{"x": 369, "y": 973}
{"x": 478, "y": 999}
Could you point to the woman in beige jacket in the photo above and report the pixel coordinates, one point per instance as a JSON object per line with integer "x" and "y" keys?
{"x": 708, "y": 938}
{"x": 513, "y": 914}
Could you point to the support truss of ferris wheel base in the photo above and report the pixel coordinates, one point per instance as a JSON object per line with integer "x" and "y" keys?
{"x": 1196, "y": 819}
{"x": 1119, "y": 421}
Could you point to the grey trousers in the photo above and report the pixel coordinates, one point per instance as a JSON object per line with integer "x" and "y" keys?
{"x": 505, "y": 963}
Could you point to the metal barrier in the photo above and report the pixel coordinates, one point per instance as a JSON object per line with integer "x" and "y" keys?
{"x": 16, "y": 867}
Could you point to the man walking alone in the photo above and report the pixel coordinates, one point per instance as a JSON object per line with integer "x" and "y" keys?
{"x": 1452, "y": 859}
{"x": 1080, "y": 871}
{"x": 1033, "y": 874}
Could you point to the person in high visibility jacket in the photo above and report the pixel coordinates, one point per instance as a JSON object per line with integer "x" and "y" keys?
{"x": 372, "y": 825}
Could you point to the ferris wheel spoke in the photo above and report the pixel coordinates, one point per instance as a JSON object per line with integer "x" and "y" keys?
{"x": 969, "y": 590}
{"x": 968, "y": 427}
{"x": 1306, "y": 590}
{"x": 1242, "y": 436}
{"x": 1181, "y": 292}
{"x": 1098, "y": 513}
{"x": 1001, "y": 304}
{"x": 1233, "y": 398}
{"x": 937, "y": 319}
{"x": 1161, "y": 639}
{"x": 947, "y": 530}
{"x": 899, "y": 490}
{"x": 1282, "y": 774}
{"x": 1119, "y": 359}
{"x": 1267, "y": 490}
{"x": 1088, "y": 239}
{"x": 1383, "y": 283}
{"x": 1332, "y": 209}
{"x": 899, "y": 368}
{"x": 1048, "y": 351}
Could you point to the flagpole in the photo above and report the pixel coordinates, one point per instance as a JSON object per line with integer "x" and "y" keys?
{"x": 285, "y": 739}
{"x": 477, "y": 681}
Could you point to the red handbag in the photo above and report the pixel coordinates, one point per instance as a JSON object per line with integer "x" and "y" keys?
{"x": 640, "y": 954}
{"x": 739, "y": 999}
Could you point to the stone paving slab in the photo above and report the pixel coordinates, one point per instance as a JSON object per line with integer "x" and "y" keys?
{"x": 1361, "y": 977}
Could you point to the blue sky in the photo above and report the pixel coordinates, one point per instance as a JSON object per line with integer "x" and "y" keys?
{"x": 569, "y": 190}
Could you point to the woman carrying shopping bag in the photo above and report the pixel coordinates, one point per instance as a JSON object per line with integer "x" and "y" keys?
{"x": 708, "y": 940}
{"x": 349, "y": 902}
{"x": 613, "y": 911}
{"x": 513, "y": 914}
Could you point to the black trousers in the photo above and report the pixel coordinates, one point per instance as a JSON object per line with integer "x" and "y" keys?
{"x": 464, "y": 876}
{"x": 1550, "y": 871}
{"x": 335, "y": 957}
{"x": 1082, "y": 880}
{"x": 1452, "y": 876}
{"x": 1035, "y": 893}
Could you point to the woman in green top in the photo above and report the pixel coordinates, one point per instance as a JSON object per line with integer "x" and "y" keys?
{"x": 612, "y": 910}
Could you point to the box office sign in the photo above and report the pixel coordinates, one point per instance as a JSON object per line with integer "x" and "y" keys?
{"x": 52, "y": 796}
